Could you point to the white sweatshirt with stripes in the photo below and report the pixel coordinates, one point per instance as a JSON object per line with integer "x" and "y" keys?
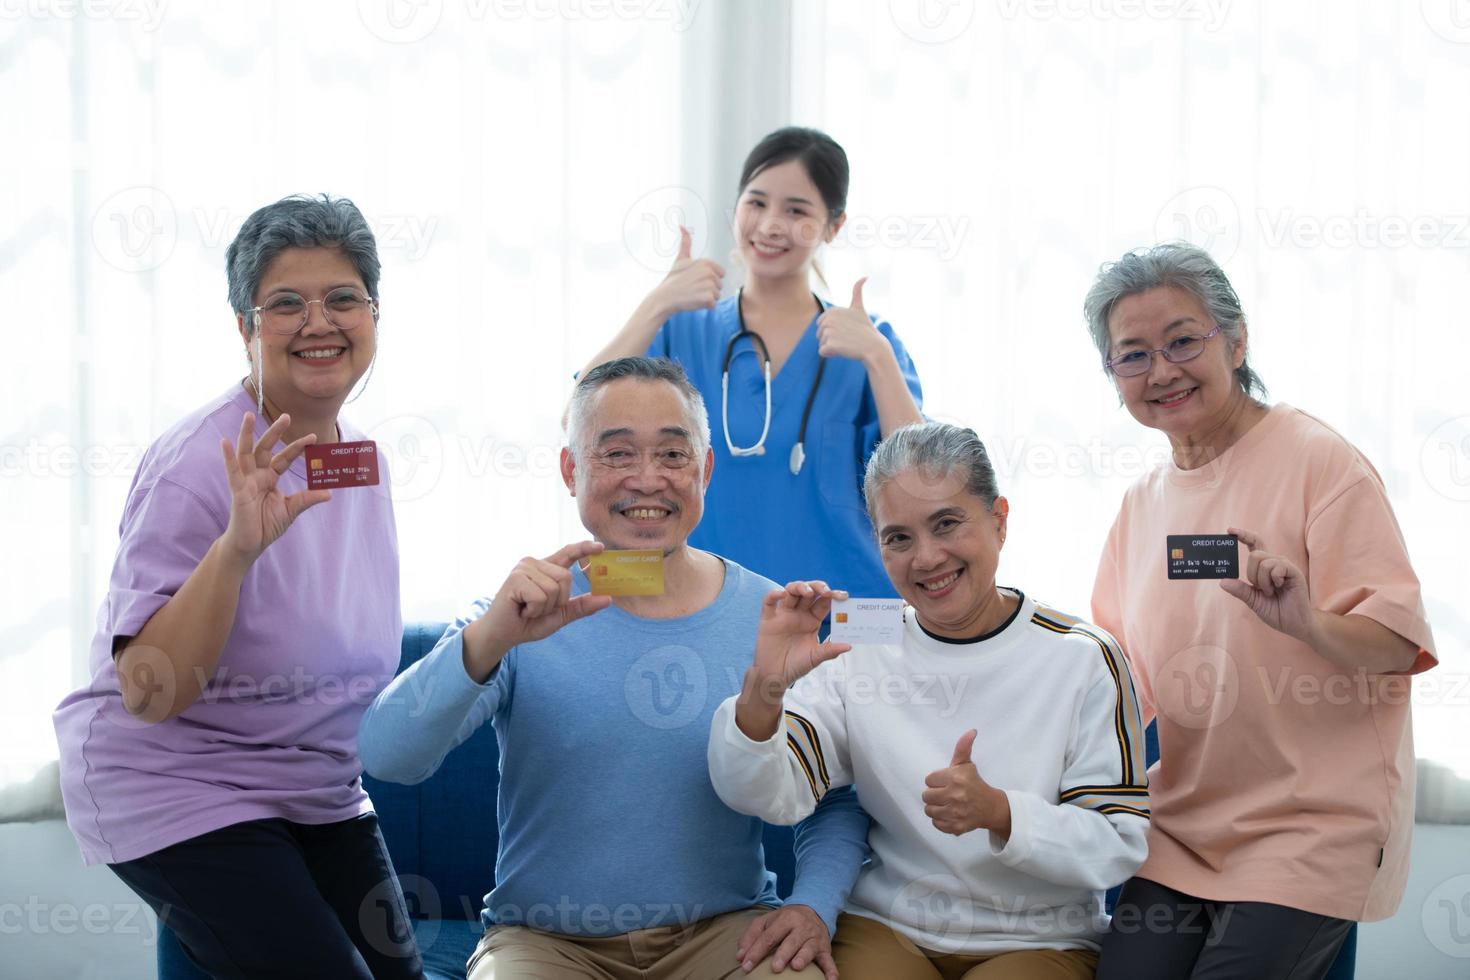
{"x": 1059, "y": 732}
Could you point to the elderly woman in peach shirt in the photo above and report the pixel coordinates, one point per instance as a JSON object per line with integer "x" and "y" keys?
{"x": 1283, "y": 799}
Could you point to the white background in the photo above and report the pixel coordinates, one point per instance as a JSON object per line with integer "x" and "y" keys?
{"x": 526, "y": 165}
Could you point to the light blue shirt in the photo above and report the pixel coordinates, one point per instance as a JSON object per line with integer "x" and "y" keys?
{"x": 608, "y": 820}
{"x": 813, "y": 525}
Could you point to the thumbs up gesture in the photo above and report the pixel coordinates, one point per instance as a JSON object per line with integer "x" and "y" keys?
{"x": 958, "y": 800}
{"x": 692, "y": 284}
{"x": 846, "y": 331}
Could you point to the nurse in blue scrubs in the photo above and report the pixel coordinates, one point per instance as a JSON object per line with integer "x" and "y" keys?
{"x": 799, "y": 390}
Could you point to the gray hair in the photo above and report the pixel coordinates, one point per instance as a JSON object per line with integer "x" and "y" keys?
{"x": 1183, "y": 266}
{"x": 643, "y": 369}
{"x": 299, "y": 221}
{"x": 935, "y": 449}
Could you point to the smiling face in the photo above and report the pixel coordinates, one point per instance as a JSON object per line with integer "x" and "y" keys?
{"x": 941, "y": 545}
{"x": 639, "y": 479}
{"x": 781, "y": 221}
{"x": 321, "y": 362}
{"x": 1181, "y": 400}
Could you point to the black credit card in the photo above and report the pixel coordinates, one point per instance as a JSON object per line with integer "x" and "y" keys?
{"x": 1201, "y": 556}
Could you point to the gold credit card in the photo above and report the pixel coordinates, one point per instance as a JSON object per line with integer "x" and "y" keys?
{"x": 639, "y": 572}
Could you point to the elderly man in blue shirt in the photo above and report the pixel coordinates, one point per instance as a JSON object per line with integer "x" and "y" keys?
{"x": 616, "y": 857}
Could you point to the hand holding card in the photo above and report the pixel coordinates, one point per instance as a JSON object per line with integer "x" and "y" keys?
{"x": 1274, "y": 589}
{"x": 786, "y": 644}
{"x": 786, "y": 649}
{"x": 259, "y": 512}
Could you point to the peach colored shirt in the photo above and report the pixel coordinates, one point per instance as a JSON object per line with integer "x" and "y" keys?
{"x": 1282, "y": 777}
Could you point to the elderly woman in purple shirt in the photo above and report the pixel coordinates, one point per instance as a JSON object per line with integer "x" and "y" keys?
{"x": 212, "y": 760}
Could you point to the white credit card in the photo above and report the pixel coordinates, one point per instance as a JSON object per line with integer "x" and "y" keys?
{"x": 858, "y": 621}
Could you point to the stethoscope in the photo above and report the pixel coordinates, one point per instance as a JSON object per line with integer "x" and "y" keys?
{"x": 798, "y": 452}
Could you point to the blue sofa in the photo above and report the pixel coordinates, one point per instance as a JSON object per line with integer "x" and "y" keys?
{"x": 442, "y": 835}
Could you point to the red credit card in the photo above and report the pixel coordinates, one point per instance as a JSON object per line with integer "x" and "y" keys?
{"x": 342, "y": 464}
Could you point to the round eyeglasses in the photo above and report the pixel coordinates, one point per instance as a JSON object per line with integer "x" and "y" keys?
{"x": 1180, "y": 349}
{"x": 286, "y": 313}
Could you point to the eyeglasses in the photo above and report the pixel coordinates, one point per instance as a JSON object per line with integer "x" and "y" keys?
{"x": 623, "y": 458}
{"x": 287, "y": 313}
{"x": 1176, "y": 351}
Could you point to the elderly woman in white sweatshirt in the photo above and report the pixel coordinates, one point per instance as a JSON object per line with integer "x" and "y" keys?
{"x": 996, "y": 743}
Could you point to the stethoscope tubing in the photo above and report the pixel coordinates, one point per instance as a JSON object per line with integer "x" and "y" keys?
{"x": 798, "y": 451}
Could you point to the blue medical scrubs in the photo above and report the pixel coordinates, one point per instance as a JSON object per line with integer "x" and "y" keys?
{"x": 809, "y": 526}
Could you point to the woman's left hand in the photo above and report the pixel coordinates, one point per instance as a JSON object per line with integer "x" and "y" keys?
{"x": 1274, "y": 589}
{"x": 958, "y": 800}
{"x": 847, "y": 331}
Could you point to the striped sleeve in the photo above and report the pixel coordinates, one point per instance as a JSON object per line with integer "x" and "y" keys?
{"x": 782, "y": 779}
{"x": 1093, "y": 832}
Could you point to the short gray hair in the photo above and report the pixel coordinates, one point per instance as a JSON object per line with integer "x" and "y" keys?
{"x": 1183, "y": 266}
{"x": 299, "y": 221}
{"x": 643, "y": 369}
{"x": 935, "y": 449}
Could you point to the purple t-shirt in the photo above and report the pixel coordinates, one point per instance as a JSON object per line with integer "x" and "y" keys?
{"x": 316, "y": 636}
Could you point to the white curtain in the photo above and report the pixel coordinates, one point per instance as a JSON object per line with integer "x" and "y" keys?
{"x": 1001, "y": 151}
{"x": 514, "y": 161}
{"x": 525, "y": 165}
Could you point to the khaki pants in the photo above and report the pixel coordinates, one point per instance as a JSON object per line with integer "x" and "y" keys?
{"x": 868, "y": 950}
{"x": 704, "y": 950}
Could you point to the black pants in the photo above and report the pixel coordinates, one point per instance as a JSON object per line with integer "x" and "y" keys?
{"x": 1162, "y": 934}
{"x": 273, "y": 898}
